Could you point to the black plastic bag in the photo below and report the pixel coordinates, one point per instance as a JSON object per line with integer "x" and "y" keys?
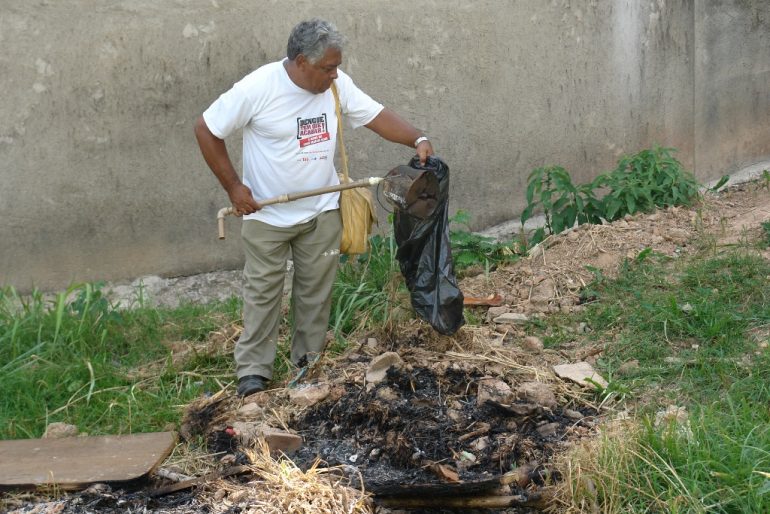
{"x": 425, "y": 257}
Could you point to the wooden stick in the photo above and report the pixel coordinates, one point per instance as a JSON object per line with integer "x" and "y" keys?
{"x": 365, "y": 182}
{"x": 172, "y": 475}
{"x": 467, "y": 502}
{"x": 187, "y": 484}
{"x": 483, "y": 429}
{"x": 521, "y": 476}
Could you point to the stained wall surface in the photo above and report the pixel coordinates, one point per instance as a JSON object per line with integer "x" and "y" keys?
{"x": 732, "y": 85}
{"x": 102, "y": 178}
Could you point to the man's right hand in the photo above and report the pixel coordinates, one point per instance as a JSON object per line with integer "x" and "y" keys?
{"x": 242, "y": 200}
{"x": 215, "y": 153}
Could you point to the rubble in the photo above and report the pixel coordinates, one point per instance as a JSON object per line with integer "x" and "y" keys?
{"x": 60, "y": 430}
{"x": 581, "y": 373}
{"x": 512, "y": 318}
{"x": 532, "y": 344}
{"x": 537, "y": 393}
{"x": 380, "y": 366}
{"x": 310, "y": 394}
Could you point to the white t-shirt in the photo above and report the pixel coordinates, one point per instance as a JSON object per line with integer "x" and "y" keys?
{"x": 289, "y": 138}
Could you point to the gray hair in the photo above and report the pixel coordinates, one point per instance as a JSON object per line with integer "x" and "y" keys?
{"x": 312, "y": 38}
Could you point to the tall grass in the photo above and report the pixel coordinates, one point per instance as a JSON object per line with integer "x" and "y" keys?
{"x": 78, "y": 359}
{"x": 368, "y": 289}
{"x": 74, "y": 359}
{"x": 687, "y": 322}
{"x": 718, "y": 461}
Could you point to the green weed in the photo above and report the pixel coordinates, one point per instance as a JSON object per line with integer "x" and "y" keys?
{"x": 614, "y": 392}
{"x": 471, "y": 249}
{"x": 764, "y": 180}
{"x": 366, "y": 289}
{"x": 766, "y": 234}
{"x": 724, "y": 179}
{"x": 563, "y": 203}
{"x": 640, "y": 182}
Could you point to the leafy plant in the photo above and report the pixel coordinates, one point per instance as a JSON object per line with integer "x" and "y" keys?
{"x": 563, "y": 203}
{"x": 469, "y": 248}
{"x": 641, "y": 182}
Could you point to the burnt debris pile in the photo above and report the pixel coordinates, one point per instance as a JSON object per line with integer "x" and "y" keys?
{"x": 419, "y": 427}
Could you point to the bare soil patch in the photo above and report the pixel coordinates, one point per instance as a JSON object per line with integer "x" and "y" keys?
{"x": 551, "y": 279}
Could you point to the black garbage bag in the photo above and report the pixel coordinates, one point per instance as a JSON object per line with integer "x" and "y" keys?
{"x": 425, "y": 256}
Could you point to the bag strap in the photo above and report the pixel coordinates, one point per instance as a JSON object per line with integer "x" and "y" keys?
{"x": 340, "y": 133}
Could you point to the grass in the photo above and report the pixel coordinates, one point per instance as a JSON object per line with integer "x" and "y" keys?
{"x": 719, "y": 463}
{"x": 695, "y": 312}
{"x": 366, "y": 289}
{"x": 78, "y": 359}
{"x": 75, "y": 360}
{"x": 688, "y": 322}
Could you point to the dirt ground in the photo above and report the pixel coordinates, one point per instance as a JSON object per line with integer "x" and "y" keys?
{"x": 408, "y": 413}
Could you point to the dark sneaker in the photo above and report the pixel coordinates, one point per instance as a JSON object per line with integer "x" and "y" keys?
{"x": 251, "y": 384}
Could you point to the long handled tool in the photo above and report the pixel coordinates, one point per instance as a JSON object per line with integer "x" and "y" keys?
{"x": 366, "y": 182}
{"x": 410, "y": 190}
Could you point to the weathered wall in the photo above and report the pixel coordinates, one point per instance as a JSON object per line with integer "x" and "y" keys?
{"x": 732, "y": 84}
{"x": 102, "y": 179}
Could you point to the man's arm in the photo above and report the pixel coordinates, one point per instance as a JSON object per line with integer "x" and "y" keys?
{"x": 215, "y": 153}
{"x": 392, "y": 127}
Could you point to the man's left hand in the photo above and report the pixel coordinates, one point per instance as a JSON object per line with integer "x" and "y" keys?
{"x": 424, "y": 150}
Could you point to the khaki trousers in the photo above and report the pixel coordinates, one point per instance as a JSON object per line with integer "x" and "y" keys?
{"x": 314, "y": 248}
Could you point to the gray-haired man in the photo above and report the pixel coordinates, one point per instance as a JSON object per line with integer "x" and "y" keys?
{"x": 287, "y": 113}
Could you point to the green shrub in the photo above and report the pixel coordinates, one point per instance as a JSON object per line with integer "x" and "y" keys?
{"x": 471, "y": 249}
{"x": 563, "y": 203}
{"x": 640, "y": 182}
{"x": 645, "y": 181}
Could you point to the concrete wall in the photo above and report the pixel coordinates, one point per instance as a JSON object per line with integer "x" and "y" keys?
{"x": 102, "y": 179}
{"x": 732, "y": 84}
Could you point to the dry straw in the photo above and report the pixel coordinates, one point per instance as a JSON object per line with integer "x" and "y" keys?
{"x": 279, "y": 486}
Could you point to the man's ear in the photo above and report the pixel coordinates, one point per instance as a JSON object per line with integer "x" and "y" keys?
{"x": 301, "y": 60}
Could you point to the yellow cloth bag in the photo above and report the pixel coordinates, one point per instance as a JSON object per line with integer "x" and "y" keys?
{"x": 356, "y": 204}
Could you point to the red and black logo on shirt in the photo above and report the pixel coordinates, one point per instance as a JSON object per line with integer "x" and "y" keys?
{"x": 312, "y": 130}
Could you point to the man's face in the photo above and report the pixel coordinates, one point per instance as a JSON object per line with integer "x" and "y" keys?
{"x": 319, "y": 76}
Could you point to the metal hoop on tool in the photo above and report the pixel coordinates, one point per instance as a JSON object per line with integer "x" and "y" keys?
{"x": 411, "y": 190}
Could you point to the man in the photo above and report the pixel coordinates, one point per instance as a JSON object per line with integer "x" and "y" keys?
{"x": 287, "y": 112}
